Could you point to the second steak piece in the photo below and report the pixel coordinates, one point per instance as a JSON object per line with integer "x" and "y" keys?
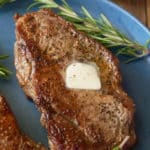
{"x": 75, "y": 119}
{"x": 10, "y": 136}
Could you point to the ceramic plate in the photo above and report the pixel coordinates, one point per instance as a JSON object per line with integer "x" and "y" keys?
{"x": 136, "y": 75}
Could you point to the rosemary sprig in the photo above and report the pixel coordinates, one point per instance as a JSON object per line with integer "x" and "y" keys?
{"x": 116, "y": 148}
{"x": 3, "y": 2}
{"x": 122, "y": 144}
{"x": 100, "y": 29}
{"x": 4, "y": 72}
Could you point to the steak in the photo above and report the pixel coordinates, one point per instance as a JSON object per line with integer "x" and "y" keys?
{"x": 75, "y": 119}
{"x": 10, "y": 136}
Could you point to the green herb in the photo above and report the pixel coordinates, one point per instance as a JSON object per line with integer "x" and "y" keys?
{"x": 4, "y": 72}
{"x": 100, "y": 29}
{"x": 122, "y": 144}
{"x": 3, "y": 2}
{"x": 116, "y": 148}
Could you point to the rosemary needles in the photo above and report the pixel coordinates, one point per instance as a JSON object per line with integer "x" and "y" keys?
{"x": 3, "y": 2}
{"x": 4, "y": 72}
{"x": 100, "y": 29}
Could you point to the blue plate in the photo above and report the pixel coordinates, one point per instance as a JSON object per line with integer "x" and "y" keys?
{"x": 136, "y": 75}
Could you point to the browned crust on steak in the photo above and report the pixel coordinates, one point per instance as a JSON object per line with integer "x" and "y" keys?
{"x": 75, "y": 119}
{"x": 10, "y": 136}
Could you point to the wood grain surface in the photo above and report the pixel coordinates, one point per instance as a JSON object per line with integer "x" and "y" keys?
{"x": 139, "y": 8}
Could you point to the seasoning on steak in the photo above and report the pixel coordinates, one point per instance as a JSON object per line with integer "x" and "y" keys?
{"x": 75, "y": 119}
{"x": 10, "y": 136}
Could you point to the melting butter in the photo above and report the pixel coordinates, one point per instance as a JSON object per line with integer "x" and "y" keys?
{"x": 82, "y": 76}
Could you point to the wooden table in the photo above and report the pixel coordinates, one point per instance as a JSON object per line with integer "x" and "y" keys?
{"x": 139, "y": 8}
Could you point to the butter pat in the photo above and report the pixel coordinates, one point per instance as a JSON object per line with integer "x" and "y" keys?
{"x": 82, "y": 76}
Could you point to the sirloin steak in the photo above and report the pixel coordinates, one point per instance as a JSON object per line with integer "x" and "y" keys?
{"x": 75, "y": 119}
{"x": 10, "y": 136}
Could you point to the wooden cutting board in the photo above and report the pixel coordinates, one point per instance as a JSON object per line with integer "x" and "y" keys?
{"x": 139, "y": 8}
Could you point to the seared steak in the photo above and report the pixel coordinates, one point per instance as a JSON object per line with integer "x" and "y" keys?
{"x": 75, "y": 119}
{"x": 10, "y": 136}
